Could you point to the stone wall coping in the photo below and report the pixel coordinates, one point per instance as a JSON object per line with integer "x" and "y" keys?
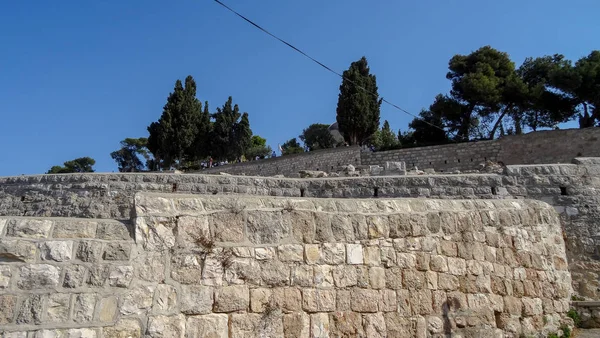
{"x": 586, "y": 303}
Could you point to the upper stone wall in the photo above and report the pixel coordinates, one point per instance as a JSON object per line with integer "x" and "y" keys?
{"x": 241, "y": 266}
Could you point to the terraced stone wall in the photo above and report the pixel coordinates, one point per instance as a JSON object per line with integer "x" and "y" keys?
{"x": 239, "y": 266}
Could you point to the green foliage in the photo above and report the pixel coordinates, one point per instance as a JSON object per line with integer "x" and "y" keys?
{"x": 572, "y": 313}
{"x": 231, "y": 134}
{"x": 258, "y": 147}
{"x": 358, "y": 109}
{"x": 291, "y": 147}
{"x": 428, "y": 129}
{"x": 128, "y": 157}
{"x": 566, "y": 331}
{"x": 385, "y": 138}
{"x": 78, "y": 165}
{"x": 317, "y": 136}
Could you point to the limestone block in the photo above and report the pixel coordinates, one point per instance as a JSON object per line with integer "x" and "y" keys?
{"x": 421, "y": 302}
{"x": 532, "y": 306}
{"x": 312, "y": 253}
{"x": 302, "y": 225}
{"x": 74, "y": 229}
{"x": 372, "y": 255}
{"x": 406, "y": 260}
{"x": 375, "y": 325}
{"x": 412, "y": 279}
{"x": 124, "y": 328}
{"x": 323, "y": 275}
{"x": 399, "y": 225}
{"x": 438, "y": 263}
{"x": 151, "y": 204}
{"x": 296, "y": 325}
{"x": 354, "y": 254}
{"x": 74, "y": 275}
{"x": 57, "y": 307}
{"x": 319, "y": 325}
{"x": 457, "y": 266}
{"x": 89, "y": 251}
{"x": 165, "y": 298}
{"x": 265, "y": 253}
{"x": 190, "y": 229}
{"x": 323, "y": 229}
{"x": 197, "y": 299}
{"x": 341, "y": 227}
{"x": 302, "y": 275}
{"x": 120, "y": 276}
{"x": 346, "y": 324}
{"x": 17, "y": 251}
{"x": 364, "y": 300}
{"x": 232, "y": 298}
{"x": 186, "y": 268}
{"x": 378, "y": 226}
{"x": 5, "y": 276}
{"x": 344, "y": 276}
{"x": 227, "y": 226}
{"x": 97, "y": 275}
{"x": 113, "y": 231}
{"x": 8, "y": 304}
{"x": 150, "y": 267}
{"x": 377, "y": 277}
{"x": 31, "y": 310}
{"x": 388, "y": 257}
{"x": 29, "y": 228}
{"x": 173, "y": 327}
{"x": 316, "y": 300}
{"x": 82, "y": 333}
{"x": 287, "y": 299}
{"x": 107, "y": 309}
{"x": 116, "y": 252}
{"x": 514, "y": 305}
{"x": 447, "y": 282}
{"x": 291, "y": 252}
{"x": 38, "y": 276}
{"x": 137, "y": 300}
{"x": 388, "y": 301}
{"x": 211, "y": 325}
{"x": 393, "y": 278}
{"x": 266, "y": 227}
{"x": 333, "y": 253}
{"x": 343, "y": 300}
{"x": 83, "y": 307}
{"x": 259, "y": 299}
{"x": 274, "y": 273}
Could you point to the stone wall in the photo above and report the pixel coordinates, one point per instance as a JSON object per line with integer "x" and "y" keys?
{"x": 325, "y": 160}
{"x": 231, "y": 266}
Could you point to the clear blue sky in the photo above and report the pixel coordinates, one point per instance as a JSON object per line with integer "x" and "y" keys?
{"x": 76, "y": 77}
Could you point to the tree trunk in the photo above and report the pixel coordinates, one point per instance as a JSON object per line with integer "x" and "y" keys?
{"x": 493, "y": 132}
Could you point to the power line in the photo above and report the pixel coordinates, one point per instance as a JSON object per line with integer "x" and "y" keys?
{"x": 322, "y": 64}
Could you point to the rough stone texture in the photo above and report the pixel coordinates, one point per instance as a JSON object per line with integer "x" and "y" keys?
{"x": 395, "y": 268}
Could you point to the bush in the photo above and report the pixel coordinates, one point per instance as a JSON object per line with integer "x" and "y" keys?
{"x": 575, "y": 316}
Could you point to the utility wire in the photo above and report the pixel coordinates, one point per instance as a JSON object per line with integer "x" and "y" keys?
{"x": 323, "y": 65}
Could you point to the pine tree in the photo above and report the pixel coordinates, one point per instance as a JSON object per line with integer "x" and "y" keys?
{"x": 358, "y": 109}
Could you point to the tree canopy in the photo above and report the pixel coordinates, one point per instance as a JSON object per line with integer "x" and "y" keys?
{"x": 358, "y": 106}
{"x": 385, "y": 138}
{"x": 291, "y": 146}
{"x": 78, "y": 165}
{"x": 128, "y": 157}
{"x": 258, "y": 147}
{"x": 317, "y": 136}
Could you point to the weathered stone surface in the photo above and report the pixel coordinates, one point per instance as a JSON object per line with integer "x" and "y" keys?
{"x": 254, "y": 325}
{"x": 5, "y": 276}
{"x": 365, "y": 300}
{"x": 82, "y": 333}
{"x": 38, "y": 276}
{"x": 232, "y": 298}
{"x": 227, "y": 226}
{"x": 323, "y": 276}
{"x": 346, "y": 324}
{"x": 165, "y": 298}
{"x": 354, "y": 254}
{"x": 197, "y": 300}
{"x": 113, "y": 231}
{"x": 186, "y": 269}
{"x": 150, "y": 268}
{"x": 333, "y": 253}
{"x": 170, "y": 327}
{"x": 97, "y": 275}
{"x": 296, "y": 325}
{"x": 74, "y": 275}
{"x": 266, "y": 227}
{"x": 57, "y": 307}
{"x": 83, "y": 307}
{"x": 8, "y": 304}
{"x": 30, "y": 311}
{"x": 116, "y": 252}
{"x": 124, "y": 328}
{"x": 319, "y": 324}
{"x": 74, "y": 229}
{"x": 265, "y": 253}
{"x": 290, "y": 252}
{"x": 213, "y": 325}
{"x": 137, "y": 300}
{"x": 318, "y": 300}
{"x": 17, "y": 251}
{"x": 275, "y": 273}
{"x": 29, "y": 228}
{"x": 107, "y": 309}
{"x": 120, "y": 276}
{"x": 89, "y": 251}
{"x": 260, "y": 299}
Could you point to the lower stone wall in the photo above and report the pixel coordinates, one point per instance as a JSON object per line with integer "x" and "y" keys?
{"x": 238, "y": 266}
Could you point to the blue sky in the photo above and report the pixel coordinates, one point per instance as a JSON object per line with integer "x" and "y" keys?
{"x": 76, "y": 77}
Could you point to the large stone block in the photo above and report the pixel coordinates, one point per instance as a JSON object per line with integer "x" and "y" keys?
{"x": 58, "y": 306}
{"x": 74, "y": 229}
{"x": 296, "y": 325}
{"x": 137, "y": 300}
{"x": 212, "y": 325}
{"x": 318, "y": 300}
{"x": 31, "y": 310}
{"x": 232, "y": 298}
{"x": 83, "y": 307}
{"x": 29, "y": 228}
{"x": 97, "y": 275}
{"x": 319, "y": 325}
{"x": 196, "y": 299}
{"x": 120, "y": 276}
{"x": 364, "y": 300}
{"x": 89, "y": 251}
{"x": 165, "y": 298}
{"x": 5, "y": 276}
{"x": 107, "y": 309}
{"x": 116, "y": 252}
{"x": 124, "y": 328}
{"x": 38, "y": 276}
{"x": 113, "y": 231}
{"x": 17, "y": 251}
{"x": 227, "y": 226}
{"x": 74, "y": 275}
{"x": 186, "y": 269}
{"x": 172, "y": 327}
{"x": 346, "y": 324}
{"x": 8, "y": 304}
{"x": 267, "y": 227}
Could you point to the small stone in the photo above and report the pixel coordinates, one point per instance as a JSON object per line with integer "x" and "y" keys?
{"x": 312, "y": 253}
{"x": 168, "y": 327}
{"x": 89, "y": 251}
{"x": 74, "y": 275}
{"x": 30, "y": 311}
{"x": 354, "y": 254}
{"x": 58, "y": 306}
{"x": 107, "y": 309}
{"x": 74, "y": 229}
{"x": 29, "y": 228}
{"x": 319, "y": 324}
{"x": 5, "y": 275}
{"x": 120, "y": 276}
{"x": 83, "y": 307}
{"x": 264, "y": 253}
{"x": 232, "y": 298}
{"x": 116, "y": 252}
{"x": 290, "y": 252}
{"x": 212, "y": 325}
{"x": 198, "y": 299}
{"x": 137, "y": 300}
{"x": 333, "y": 253}
{"x": 38, "y": 276}
{"x": 97, "y": 275}
{"x": 165, "y": 298}
{"x": 8, "y": 305}
{"x": 318, "y": 300}
{"x": 124, "y": 328}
